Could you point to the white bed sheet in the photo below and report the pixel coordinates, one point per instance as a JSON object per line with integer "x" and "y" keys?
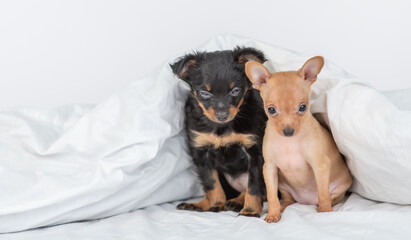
{"x": 356, "y": 218}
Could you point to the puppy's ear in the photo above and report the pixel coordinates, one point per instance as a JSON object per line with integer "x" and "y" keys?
{"x": 245, "y": 54}
{"x": 184, "y": 65}
{"x": 257, "y": 73}
{"x": 311, "y": 69}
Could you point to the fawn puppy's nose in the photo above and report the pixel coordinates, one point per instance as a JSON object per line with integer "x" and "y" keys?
{"x": 288, "y": 132}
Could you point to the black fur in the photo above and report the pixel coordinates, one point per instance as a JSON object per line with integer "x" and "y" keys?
{"x": 219, "y": 70}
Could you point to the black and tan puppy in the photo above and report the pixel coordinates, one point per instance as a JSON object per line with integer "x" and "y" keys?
{"x": 225, "y": 123}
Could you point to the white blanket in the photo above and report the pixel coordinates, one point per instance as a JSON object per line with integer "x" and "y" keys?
{"x": 87, "y": 162}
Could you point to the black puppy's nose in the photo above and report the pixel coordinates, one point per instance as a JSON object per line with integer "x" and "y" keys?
{"x": 288, "y": 132}
{"x": 221, "y": 116}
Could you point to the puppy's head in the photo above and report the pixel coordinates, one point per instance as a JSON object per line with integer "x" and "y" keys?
{"x": 217, "y": 79}
{"x": 286, "y": 95}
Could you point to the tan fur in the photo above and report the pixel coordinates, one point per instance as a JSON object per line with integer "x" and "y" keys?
{"x": 187, "y": 66}
{"x": 204, "y": 204}
{"x": 252, "y": 204}
{"x": 201, "y": 139}
{"x": 239, "y": 199}
{"x": 307, "y": 166}
{"x": 216, "y": 197}
{"x": 210, "y": 112}
{"x": 232, "y": 112}
{"x": 213, "y": 198}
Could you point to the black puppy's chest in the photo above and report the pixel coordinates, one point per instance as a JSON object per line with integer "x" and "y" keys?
{"x": 226, "y": 147}
{"x": 233, "y": 159}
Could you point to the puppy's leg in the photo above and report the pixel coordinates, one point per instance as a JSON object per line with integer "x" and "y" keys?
{"x": 287, "y": 199}
{"x": 253, "y": 203}
{"x": 199, "y": 207}
{"x": 270, "y": 173}
{"x": 322, "y": 176}
{"x": 214, "y": 197}
{"x": 337, "y": 198}
{"x": 338, "y": 193}
{"x": 235, "y": 204}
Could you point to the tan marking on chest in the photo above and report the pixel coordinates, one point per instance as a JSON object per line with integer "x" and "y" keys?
{"x": 201, "y": 139}
{"x": 208, "y": 87}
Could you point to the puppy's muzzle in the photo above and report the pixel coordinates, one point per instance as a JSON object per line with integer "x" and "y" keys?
{"x": 288, "y": 132}
{"x": 221, "y": 116}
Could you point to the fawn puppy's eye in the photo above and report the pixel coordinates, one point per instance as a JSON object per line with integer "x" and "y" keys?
{"x": 271, "y": 110}
{"x": 302, "y": 108}
{"x": 205, "y": 94}
{"x": 235, "y": 92}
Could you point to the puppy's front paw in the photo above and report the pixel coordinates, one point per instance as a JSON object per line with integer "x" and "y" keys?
{"x": 189, "y": 206}
{"x": 233, "y": 206}
{"x": 325, "y": 209}
{"x": 249, "y": 213}
{"x": 272, "y": 218}
{"x": 217, "y": 207}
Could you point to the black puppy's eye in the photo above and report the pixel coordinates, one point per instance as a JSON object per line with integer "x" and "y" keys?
{"x": 205, "y": 94}
{"x": 271, "y": 110}
{"x": 302, "y": 108}
{"x": 235, "y": 92}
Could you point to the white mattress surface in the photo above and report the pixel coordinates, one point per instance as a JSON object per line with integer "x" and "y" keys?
{"x": 356, "y": 218}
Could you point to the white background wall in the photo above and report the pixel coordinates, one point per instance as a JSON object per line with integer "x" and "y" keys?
{"x": 60, "y": 52}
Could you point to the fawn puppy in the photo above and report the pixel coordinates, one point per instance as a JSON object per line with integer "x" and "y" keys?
{"x": 301, "y": 159}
